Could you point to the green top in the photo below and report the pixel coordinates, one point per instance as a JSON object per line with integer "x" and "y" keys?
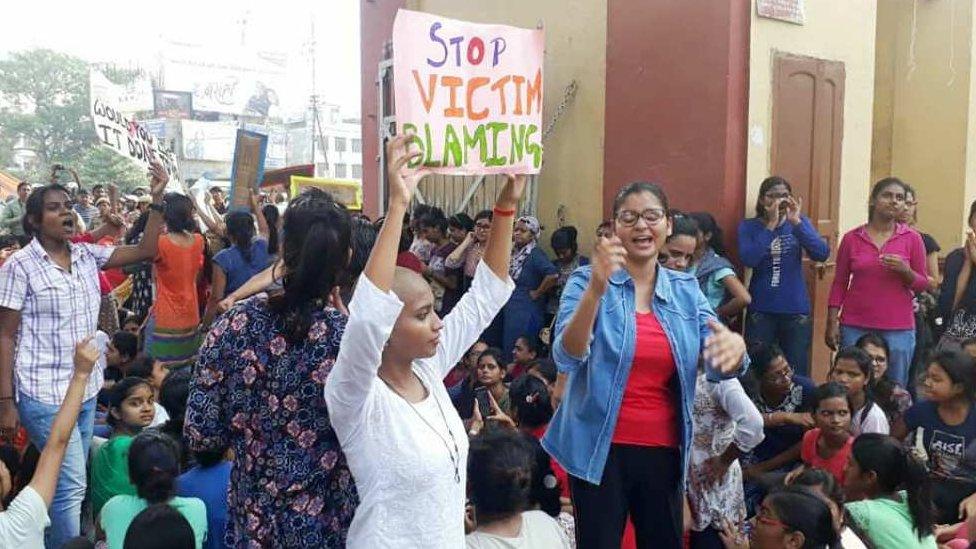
{"x": 888, "y": 523}
{"x": 110, "y": 472}
{"x": 120, "y": 511}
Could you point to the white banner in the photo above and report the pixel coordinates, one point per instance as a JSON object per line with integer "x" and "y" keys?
{"x": 136, "y": 96}
{"x": 208, "y": 140}
{"x": 235, "y": 82}
{"x": 123, "y": 134}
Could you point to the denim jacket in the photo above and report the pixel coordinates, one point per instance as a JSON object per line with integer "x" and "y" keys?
{"x": 580, "y": 433}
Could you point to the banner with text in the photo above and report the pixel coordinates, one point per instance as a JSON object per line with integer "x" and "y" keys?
{"x": 471, "y": 93}
{"x": 125, "y": 135}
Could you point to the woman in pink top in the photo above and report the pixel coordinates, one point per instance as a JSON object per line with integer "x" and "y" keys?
{"x": 879, "y": 267}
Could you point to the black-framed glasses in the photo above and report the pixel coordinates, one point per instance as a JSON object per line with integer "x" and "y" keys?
{"x": 653, "y": 216}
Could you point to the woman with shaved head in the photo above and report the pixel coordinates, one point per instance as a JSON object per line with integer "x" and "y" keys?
{"x": 404, "y": 441}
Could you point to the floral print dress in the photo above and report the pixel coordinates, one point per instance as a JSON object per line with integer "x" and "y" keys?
{"x": 252, "y": 390}
{"x": 723, "y": 415}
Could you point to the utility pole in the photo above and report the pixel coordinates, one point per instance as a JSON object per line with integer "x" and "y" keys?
{"x": 314, "y": 102}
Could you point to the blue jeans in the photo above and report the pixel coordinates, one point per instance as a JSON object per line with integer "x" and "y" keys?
{"x": 901, "y": 344}
{"x": 65, "y": 511}
{"x": 792, "y": 333}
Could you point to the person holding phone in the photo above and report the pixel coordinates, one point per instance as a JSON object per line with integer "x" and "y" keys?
{"x": 405, "y": 443}
{"x": 880, "y": 266}
{"x": 772, "y": 244}
{"x": 630, "y": 334}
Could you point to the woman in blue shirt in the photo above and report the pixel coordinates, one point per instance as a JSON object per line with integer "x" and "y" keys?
{"x": 534, "y": 276}
{"x": 772, "y": 244}
{"x": 233, "y": 266}
{"x": 615, "y": 387}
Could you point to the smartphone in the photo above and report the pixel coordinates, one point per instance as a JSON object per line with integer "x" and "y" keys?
{"x": 484, "y": 404}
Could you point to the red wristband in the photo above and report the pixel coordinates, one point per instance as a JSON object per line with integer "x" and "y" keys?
{"x": 503, "y": 213}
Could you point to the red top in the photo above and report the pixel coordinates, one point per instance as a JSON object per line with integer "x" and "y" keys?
{"x": 835, "y": 464}
{"x": 648, "y": 412}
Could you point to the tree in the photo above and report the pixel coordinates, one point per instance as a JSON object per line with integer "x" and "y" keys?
{"x": 44, "y": 99}
{"x": 100, "y": 165}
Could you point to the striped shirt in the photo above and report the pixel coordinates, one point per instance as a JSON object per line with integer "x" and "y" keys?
{"x": 57, "y": 308}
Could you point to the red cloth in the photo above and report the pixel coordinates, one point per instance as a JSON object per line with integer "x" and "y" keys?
{"x": 410, "y": 261}
{"x": 835, "y": 464}
{"x": 515, "y": 370}
{"x": 104, "y": 286}
{"x": 648, "y": 416}
{"x": 561, "y": 475}
{"x": 455, "y": 376}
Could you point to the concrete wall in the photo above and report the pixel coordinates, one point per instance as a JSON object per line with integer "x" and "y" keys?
{"x": 572, "y": 170}
{"x": 924, "y": 99}
{"x": 676, "y": 102}
{"x": 838, "y": 30}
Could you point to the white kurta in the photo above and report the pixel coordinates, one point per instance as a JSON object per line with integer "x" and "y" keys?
{"x": 404, "y": 473}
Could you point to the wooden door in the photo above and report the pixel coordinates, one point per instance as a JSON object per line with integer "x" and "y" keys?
{"x": 807, "y": 131}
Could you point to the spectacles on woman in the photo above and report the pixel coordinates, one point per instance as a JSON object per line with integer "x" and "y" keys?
{"x": 653, "y": 216}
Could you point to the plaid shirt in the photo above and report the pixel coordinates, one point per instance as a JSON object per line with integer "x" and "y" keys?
{"x": 58, "y": 309}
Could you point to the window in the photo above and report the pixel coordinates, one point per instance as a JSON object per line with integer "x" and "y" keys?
{"x": 340, "y": 170}
{"x": 357, "y": 171}
{"x": 357, "y": 145}
{"x": 340, "y": 144}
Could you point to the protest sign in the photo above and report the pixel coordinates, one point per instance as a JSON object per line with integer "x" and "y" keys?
{"x": 347, "y": 192}
{"x": 125, "y": 135}
{"x": 471, "y": 93}
{"x": 247, "y": 169}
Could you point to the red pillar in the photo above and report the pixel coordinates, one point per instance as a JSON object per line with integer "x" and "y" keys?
{"x": 677, "y": 103}
{"x": 376, "y": 28}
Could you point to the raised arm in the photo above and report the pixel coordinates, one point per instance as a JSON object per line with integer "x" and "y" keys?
{"x": 580, "y": 302}
{"x": 456, "y": 259}
{"x": 259, "y": 215}
{"x": 256, "y": 284}
{"x": 374, "y": 308}
{"x": 147, "y": 246}
{"x": 209, "y": 216}
{"x": 49, "y": 464}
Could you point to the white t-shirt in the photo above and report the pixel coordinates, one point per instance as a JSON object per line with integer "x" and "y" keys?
{"x": 22, "y": 524}
{"x": 875, "y": 422}
{"x": 160, "y": 416}
{"x": 404, "y": 456}
{"x": 539, "y": 531}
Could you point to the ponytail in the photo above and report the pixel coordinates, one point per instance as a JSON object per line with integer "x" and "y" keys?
{"x": 240, "y": 231}
{"x": 315, "y": 253}
{"x": 919, "y": 490}
{"x": 154, "y": 464}
{"x": 896, "y": 466}
{"x": 271, "y": 215}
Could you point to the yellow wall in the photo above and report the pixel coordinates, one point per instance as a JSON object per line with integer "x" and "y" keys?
{"x": 837, "y": 30}
{"x": 572, "y": 172}
{"x": 923, "y": 101}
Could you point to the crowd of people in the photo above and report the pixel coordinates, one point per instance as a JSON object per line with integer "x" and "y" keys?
{"x": 178, "y": 371}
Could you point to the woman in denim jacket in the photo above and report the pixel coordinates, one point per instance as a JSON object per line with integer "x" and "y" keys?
{"x": 629, "y": 334}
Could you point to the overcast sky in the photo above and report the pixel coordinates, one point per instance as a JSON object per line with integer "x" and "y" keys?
{"x": 119, "y": 31}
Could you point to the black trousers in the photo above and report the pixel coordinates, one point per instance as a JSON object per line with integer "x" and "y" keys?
{"x": 641, "y": 482}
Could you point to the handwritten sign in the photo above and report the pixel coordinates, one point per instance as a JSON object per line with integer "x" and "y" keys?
{"x": 471, "y": 93}
{"x": 247, "y": 169}
{"x": 125, "y": 135}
